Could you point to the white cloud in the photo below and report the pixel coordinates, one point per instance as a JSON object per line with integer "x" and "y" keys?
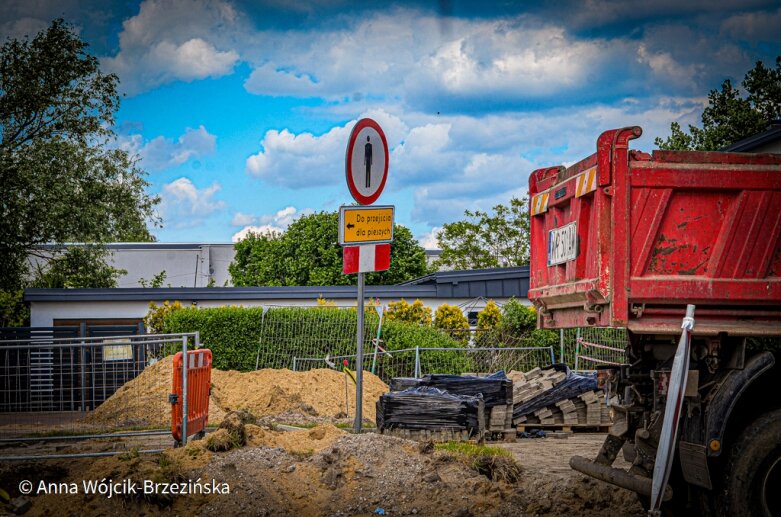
{"x": 170, "y": 40}
{"x": 265, "y": 229}
{"x": 21, "y": 28}
{"x": 242, "y": 219}
{"x": 304, "y": 160}
{"x": 666, "y": 68}
{"x": 185, "y": 205}
{"x": 755, "y": 26}
{"x": 429, "y": 240}
{"x": 161, "y": 153}
{"x": 275, "y": 223}
{"x": 402, "y": 53}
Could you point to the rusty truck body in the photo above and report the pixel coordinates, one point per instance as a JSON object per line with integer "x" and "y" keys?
{"x": 627, "y": 239}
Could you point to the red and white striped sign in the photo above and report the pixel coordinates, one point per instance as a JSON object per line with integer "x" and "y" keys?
{"x": 366, "y": 258}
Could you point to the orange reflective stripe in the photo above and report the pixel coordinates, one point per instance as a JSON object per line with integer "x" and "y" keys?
{"x": 539, "y": 203}
{"x": 586, "y": 182}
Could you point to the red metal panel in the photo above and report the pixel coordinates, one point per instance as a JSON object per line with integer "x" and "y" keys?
{"x": 199, "y": 374}
{"x": 663, "y": 230}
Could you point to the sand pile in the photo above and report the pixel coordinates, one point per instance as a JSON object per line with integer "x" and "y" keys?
{"x": 318, "y": 392}
{"x": 143, "y": 401}
{"x": 302, "y": 442}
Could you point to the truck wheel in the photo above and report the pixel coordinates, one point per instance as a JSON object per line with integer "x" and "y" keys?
{"x": 753, "y": 474}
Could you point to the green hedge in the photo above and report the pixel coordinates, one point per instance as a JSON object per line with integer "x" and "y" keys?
{"x": 234, "y": 334}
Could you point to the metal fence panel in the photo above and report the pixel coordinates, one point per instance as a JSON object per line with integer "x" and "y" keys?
{"x": 416, "y": 362}
{"x": 51, "y": 389}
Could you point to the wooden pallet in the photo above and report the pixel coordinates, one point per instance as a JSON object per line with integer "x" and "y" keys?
{"x": 576, "y": 428}
{"x": 425, "y": 435}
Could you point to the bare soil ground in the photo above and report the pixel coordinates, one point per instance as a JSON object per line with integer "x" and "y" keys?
{"x": 325, "y": 471}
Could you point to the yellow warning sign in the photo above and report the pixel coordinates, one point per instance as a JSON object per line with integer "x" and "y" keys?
{"x": 365, "y": 225}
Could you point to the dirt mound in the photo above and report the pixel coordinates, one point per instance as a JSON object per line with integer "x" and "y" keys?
{"x": 143, "y": 401}
{"x": 318, "y": 392}
{"x": 296, "y": 442}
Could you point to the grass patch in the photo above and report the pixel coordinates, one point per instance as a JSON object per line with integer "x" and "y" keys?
{"x": 495, "y": 463}
{"x": 472, "y": 450}
{"x": 303, "y": 455}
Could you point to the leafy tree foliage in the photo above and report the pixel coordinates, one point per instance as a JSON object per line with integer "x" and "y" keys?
{"x": 78, "y": 267}
{"x": 308, "y": 253}
{"x": 62, "y": 178}
{"x": 483, "y": 240}
{"x": 730, "y": 116}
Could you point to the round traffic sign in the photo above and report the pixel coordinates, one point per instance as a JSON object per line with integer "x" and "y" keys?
{"x": 366, "y": 161}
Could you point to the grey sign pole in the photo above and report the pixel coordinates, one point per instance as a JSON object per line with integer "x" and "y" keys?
{"x": 359, "y": 360}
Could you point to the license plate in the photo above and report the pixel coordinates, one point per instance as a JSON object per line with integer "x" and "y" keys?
{"x": 562, "y": 244}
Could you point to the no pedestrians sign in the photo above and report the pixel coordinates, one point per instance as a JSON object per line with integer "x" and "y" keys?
{"x": 366, "y": 161}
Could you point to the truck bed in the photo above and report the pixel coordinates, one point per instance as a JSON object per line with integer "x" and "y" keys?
{"x": 627, "y": 239}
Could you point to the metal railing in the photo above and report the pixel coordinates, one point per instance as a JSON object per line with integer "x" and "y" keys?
{"x": 82, "y": 390}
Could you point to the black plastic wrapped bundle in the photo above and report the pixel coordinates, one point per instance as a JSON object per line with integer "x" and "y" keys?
{"x": 404, "y": 383}
{"x": 572, "y": 386}
{"x": 496, "y": 389}
{"x": 430, "y": 408}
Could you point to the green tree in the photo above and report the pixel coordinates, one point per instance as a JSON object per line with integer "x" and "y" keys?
{"x": 62, "y": 175}
{"x": 730, "y": 116}
{"x": 308, "y": 253}
{"x": 500, "y": 239}
{"x": 78, "y": 267}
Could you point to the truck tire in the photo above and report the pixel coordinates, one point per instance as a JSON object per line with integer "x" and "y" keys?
{"x": 752, "y": 478}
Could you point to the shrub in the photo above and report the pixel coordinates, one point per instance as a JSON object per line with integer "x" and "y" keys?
{"x": 402, "y": 311}
{"x": 490, "y": 316}
{"x": 488, "y": 321}
{"x": 235, "y": 335}
{"x": 518, "y": 318}
{"x": 399, "y": 335}
{"x": 155, "y": 319}
{"x": 451, "y": 320}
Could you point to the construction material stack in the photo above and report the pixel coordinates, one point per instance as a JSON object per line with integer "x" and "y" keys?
{"x": 559, "y": 398}
{"x": 410, "y": 396}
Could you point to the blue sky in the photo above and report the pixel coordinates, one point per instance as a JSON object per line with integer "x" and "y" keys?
{"x": 240, "y": 112}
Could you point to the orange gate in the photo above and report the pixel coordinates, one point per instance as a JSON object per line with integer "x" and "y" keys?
{"x": 199, "y": 372}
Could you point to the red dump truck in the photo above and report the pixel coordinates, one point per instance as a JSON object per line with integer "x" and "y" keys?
{"x": 627, "y": 239}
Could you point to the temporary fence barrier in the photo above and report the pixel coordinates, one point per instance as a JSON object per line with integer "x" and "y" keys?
{"x": 419, "y": 361}
{"x": 52, "y": 389}
{"x": 611, "y": 341}
{"x": 191, "y": 375}
{"x": 590, "y": 355}
{"x": 288, "y": 332}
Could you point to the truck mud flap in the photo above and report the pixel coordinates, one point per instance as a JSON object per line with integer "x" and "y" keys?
{"x": 694, "y": 464}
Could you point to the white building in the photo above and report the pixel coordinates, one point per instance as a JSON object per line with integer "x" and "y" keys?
{"x": 469, "y": 290}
